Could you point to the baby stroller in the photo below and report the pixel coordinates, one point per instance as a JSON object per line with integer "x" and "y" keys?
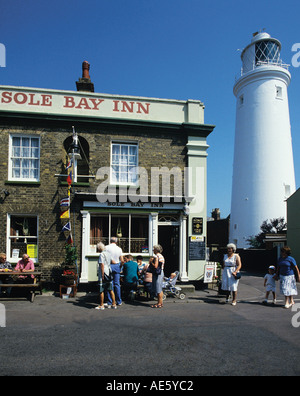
{"x": 170, "y": 289}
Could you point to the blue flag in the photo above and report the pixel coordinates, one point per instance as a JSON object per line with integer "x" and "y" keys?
{"x": 66, "y": 227}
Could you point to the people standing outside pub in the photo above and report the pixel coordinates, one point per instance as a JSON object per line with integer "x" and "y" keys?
{"x": 231, "y": 267}
{"x": 5, "y": 266}
{"x": 270, "y": 284}
{"x": 157, "y": 263}
{"x": 286, "y": 270}
{"x": 116, "y": 264}
{"x": 104, "y": 271}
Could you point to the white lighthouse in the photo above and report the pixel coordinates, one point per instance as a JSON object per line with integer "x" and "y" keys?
{"x": 263, "y": 168}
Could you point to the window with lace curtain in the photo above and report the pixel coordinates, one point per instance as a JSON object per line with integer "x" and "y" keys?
{"x": 124, "y": 160}
{"x": 24, "y": 158}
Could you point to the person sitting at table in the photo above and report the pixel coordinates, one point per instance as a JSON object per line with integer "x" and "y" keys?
{"x": 5, "y": 266}
{"x": 131, "y": 275}
{"x": 25, "y": 265}
{"x": 147, "y": 280}
{"x": 141, "y": 264}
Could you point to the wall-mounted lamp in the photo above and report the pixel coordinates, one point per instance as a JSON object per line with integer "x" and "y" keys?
{"x": 74, "y": 148}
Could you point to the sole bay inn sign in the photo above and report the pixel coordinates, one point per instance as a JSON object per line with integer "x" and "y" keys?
{"x": 90, "y": 104}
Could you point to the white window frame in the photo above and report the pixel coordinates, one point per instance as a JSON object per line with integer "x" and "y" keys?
{"x": 9, "y": 237}
{"x": 10, "y": 173}
{"x": 128, "y": 144}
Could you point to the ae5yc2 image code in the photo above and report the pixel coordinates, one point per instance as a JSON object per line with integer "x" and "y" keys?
{"x": 144, "y": 384}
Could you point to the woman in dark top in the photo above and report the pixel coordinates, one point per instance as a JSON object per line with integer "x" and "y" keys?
{"x": 287, "y": 268}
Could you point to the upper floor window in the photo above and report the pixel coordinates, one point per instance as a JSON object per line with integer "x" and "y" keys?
{"x": 124, "y": 160}
{"x": 24, "y": 158}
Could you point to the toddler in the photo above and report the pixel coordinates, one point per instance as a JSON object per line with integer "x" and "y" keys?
{"x": 167, "y": 281}
{"x": 270, "y": 284}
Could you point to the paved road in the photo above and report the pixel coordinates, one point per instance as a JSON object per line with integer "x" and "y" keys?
{"x": 199, "y": 336}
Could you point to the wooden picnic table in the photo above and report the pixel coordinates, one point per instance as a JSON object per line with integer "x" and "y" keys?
{"x": 35, "y": 285}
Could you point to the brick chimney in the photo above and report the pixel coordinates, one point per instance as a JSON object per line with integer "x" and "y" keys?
{"x": 84, "y": 84}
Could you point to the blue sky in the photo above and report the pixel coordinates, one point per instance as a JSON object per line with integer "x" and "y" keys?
{"x": 179, "y": 49}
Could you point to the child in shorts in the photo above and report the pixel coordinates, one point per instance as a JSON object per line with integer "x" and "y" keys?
{"x": 270, "y": 284}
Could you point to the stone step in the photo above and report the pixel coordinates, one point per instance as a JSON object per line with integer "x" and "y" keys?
{"x": 186, "y": 287}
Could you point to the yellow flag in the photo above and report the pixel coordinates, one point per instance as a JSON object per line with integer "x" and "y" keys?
{"x": 65, "y": 214}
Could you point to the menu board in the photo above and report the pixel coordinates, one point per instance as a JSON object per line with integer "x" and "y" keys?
{"x": 197, "y": 248}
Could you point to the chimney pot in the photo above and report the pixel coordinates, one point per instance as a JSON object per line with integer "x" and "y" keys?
{"x": 216, "y": 214}
{"x": 86, "y": 70}
{"x": 84, "y": 84}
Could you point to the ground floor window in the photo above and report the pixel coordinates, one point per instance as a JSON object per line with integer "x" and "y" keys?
{"x": 132, "y": 231}
{"x": 22, "y": 236}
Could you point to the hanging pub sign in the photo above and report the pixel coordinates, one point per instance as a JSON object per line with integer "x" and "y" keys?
{"x": 197, "y": 223}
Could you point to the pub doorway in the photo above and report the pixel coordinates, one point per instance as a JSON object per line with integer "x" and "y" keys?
{"x": 168, "y": 238}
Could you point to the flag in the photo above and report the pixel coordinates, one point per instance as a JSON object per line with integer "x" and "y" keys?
{"x": 65, "y": 214}
{"x": 66, "y": 227}
{"x": 69, "y": 240}
{"x": 69, "y": 178}
{"x": 65, "y": 201}
{"x": 69, "y": 164}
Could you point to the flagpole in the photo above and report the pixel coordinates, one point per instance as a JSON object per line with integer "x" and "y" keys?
{"x": 70, "y": 179}
{"x": 74, "y": 167}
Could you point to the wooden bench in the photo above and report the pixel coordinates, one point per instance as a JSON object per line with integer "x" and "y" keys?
{"x": 36, "y": 285}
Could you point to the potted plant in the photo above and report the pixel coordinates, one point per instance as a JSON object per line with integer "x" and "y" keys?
{"x": 69, "y": 273}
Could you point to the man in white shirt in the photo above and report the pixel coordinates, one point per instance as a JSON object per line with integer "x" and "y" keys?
{"x": 116, "y": 264}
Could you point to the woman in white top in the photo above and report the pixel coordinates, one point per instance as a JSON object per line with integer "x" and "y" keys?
{"x": 232, "y": 265}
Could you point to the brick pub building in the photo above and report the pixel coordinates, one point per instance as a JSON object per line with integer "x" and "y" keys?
{"x": 120, "y": 134}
